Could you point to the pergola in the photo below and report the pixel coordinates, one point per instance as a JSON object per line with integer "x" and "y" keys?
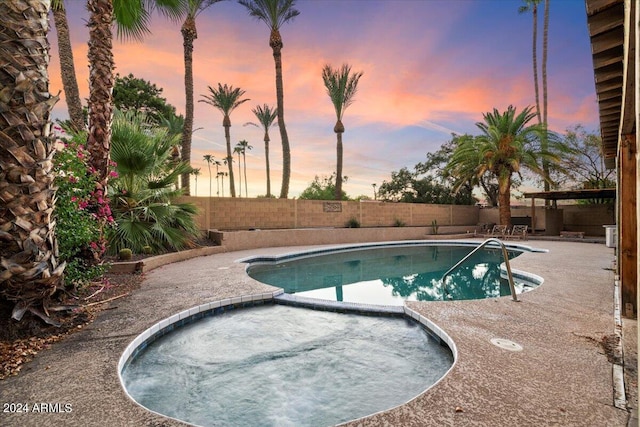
{"x": 597, "y": 193}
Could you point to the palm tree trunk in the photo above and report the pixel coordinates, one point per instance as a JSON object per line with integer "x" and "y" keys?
{"x": 504, "y": 199}
{"x": 545, "y": 142}
{"x": 535, "y": 60}
{"x": 240, "y": 173}
{"x": 338, "y": 193}
{"x": 275, "y": 42}
{"x": 227, "y": 136}
{"x": 101, "y": 82}
{"x": 266, "y": 155}
{"x": 189, "y": 34}
{"x": 67, "y": 68}
{"x": 246, "y": 191}
{"x": 29, "y": 274}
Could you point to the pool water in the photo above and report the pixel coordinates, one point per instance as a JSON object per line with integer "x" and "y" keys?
{"x": 390, "y": 275}
{"x": 284, "y": 366}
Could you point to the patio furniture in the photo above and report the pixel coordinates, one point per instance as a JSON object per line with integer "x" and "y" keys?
{"x": 518, "y": 232}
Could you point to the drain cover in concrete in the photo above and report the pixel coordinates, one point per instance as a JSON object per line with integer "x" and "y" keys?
{"x": 506, "y": 344}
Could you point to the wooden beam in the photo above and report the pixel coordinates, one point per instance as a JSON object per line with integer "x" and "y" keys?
{"x": 627, "y": 225}
{"x": 595, "y": 6}
{"x": 610, "y": 39}
{"x": 607, "y": 19}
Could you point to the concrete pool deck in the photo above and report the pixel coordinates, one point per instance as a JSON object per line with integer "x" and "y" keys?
{"x": 561, "y": 377}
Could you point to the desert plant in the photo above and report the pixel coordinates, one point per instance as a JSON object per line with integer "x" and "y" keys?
{"x": 434, "y": 226}
{"x": 125, "y": 254}
{"x": 353, "y": 223}
{"x": 399, "y": 223}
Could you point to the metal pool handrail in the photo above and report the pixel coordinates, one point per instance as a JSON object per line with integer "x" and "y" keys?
{"x": 505, "y": 255}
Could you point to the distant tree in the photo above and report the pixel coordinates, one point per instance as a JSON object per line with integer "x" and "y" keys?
{"x": 196, "y": 174}
{"x": 226, "y": 99}
{"x": 209, "y": 159}
{"x": 132, "y": 93}
{"x": 415, "y": 187}
{"x": 265, "y": 115}
{"x": 238, "y": 150}
{"x": 582, "y": 167}
{"x": 341, "y": 87}
{"x": 275, "y": 13}
{"x": 244, "y": 146}
{"x": 322, "y": 189}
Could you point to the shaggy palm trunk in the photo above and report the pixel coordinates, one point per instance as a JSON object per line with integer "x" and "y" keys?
{"x": 67, "y": 68}
{"x": 339, "y": 130}
{"x": 246, "y": 189}
{"x": 266, "y": 156}
{"x": 275, "y": 41}
{"x": 240, "y": 172}
{"x": 227, "y": 135}
{"x": 101, "y": 82}
{"x": 504, "y": 199}
{"x": 29, "y": 271}
{"x": 189, "y": 34}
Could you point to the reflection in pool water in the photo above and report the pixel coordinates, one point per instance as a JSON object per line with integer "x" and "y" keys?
{"x": 390, "y": 275}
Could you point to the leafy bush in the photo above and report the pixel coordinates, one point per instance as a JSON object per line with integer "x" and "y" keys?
{"x": 143, "y": 194}
{"x": 399, "y": 223}
{"x": 81, "y": 213}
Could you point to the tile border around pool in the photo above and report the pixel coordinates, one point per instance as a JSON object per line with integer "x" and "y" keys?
{"x": 169, "y": 324}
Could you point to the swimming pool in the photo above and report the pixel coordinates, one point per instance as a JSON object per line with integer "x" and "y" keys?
{"x": 391, "y": 274}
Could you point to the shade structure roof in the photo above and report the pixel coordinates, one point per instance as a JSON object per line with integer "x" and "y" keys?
{"x": 598, "y": 193}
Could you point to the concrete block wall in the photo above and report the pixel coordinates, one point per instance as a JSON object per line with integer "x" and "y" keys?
{"x": 244, "y": 214}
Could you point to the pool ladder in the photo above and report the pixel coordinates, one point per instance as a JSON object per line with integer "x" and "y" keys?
{"x": 505, "y": 255}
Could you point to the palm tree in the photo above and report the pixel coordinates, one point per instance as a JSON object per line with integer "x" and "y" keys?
{"x": 341, "y": 87}
{"x": 226, "y": 99}
{"x": 222, "y": 175}
{"x": 532, "y": 5}
{"x": 189, "y": 33}
{"x": 265, "y": 115}
{"x": 29, "y": 274}
{"x": 218, "y": 163}
{"x": 507, "y": 143}
{"x": 196, "y": 174}
{"x": 144, "y": 197}
{"x": 132, "y": 18}
{"x": 545, "y": 142}
{"x": 275, "y": 13}
{"x": 67, "y": 67}
{"x": 244, "y": 145}
{"x": 209, "y": 159}
{"x": 238, "y": 150}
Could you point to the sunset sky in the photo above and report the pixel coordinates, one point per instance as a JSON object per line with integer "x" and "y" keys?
{"x": 431, "y": 67}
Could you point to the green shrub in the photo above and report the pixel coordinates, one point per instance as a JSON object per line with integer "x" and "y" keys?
{"x": 81, "y": 213}
{"x": 399, "y": 223}
{"x": 353, "y": 223}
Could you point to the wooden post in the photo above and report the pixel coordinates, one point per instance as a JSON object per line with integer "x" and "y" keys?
{"x": 628, "y": 239}
{"x": 533, "y": 215}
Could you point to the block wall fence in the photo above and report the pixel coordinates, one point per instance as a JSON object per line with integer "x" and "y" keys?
{"x": 227, "y": 213}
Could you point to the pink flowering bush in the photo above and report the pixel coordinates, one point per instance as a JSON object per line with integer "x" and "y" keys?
{"x": 82, "y": 213}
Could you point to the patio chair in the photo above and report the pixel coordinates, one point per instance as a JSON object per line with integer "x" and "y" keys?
{"x": 499, "y": 231}
{"x": 518, "y": 232}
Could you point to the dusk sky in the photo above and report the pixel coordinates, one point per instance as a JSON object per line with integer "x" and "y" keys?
{"x": 431, "y": 67}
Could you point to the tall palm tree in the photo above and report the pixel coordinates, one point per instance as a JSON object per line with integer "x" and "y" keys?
{"x": 265, "y": 115}
{"x": 132, "y": 19}
{"x": 341, "y": 87}
{"x": 189, "y": 33}
{"x": 244, "y": 145}
{"x": 196, "y": 174}
{"x": 226, "y": 99}
{"x": 209, "y": 159}
{"x": 507, "y": 143}
{"x": 275, "y": 13}
{"x": 67, "y": 67}
{"x": 217, "y": 164}
{"x": 545, "y": 44}
{"x": 532, "y": 5}
{"x": 29, "y": 273}
{"x": 238, "y": 150}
